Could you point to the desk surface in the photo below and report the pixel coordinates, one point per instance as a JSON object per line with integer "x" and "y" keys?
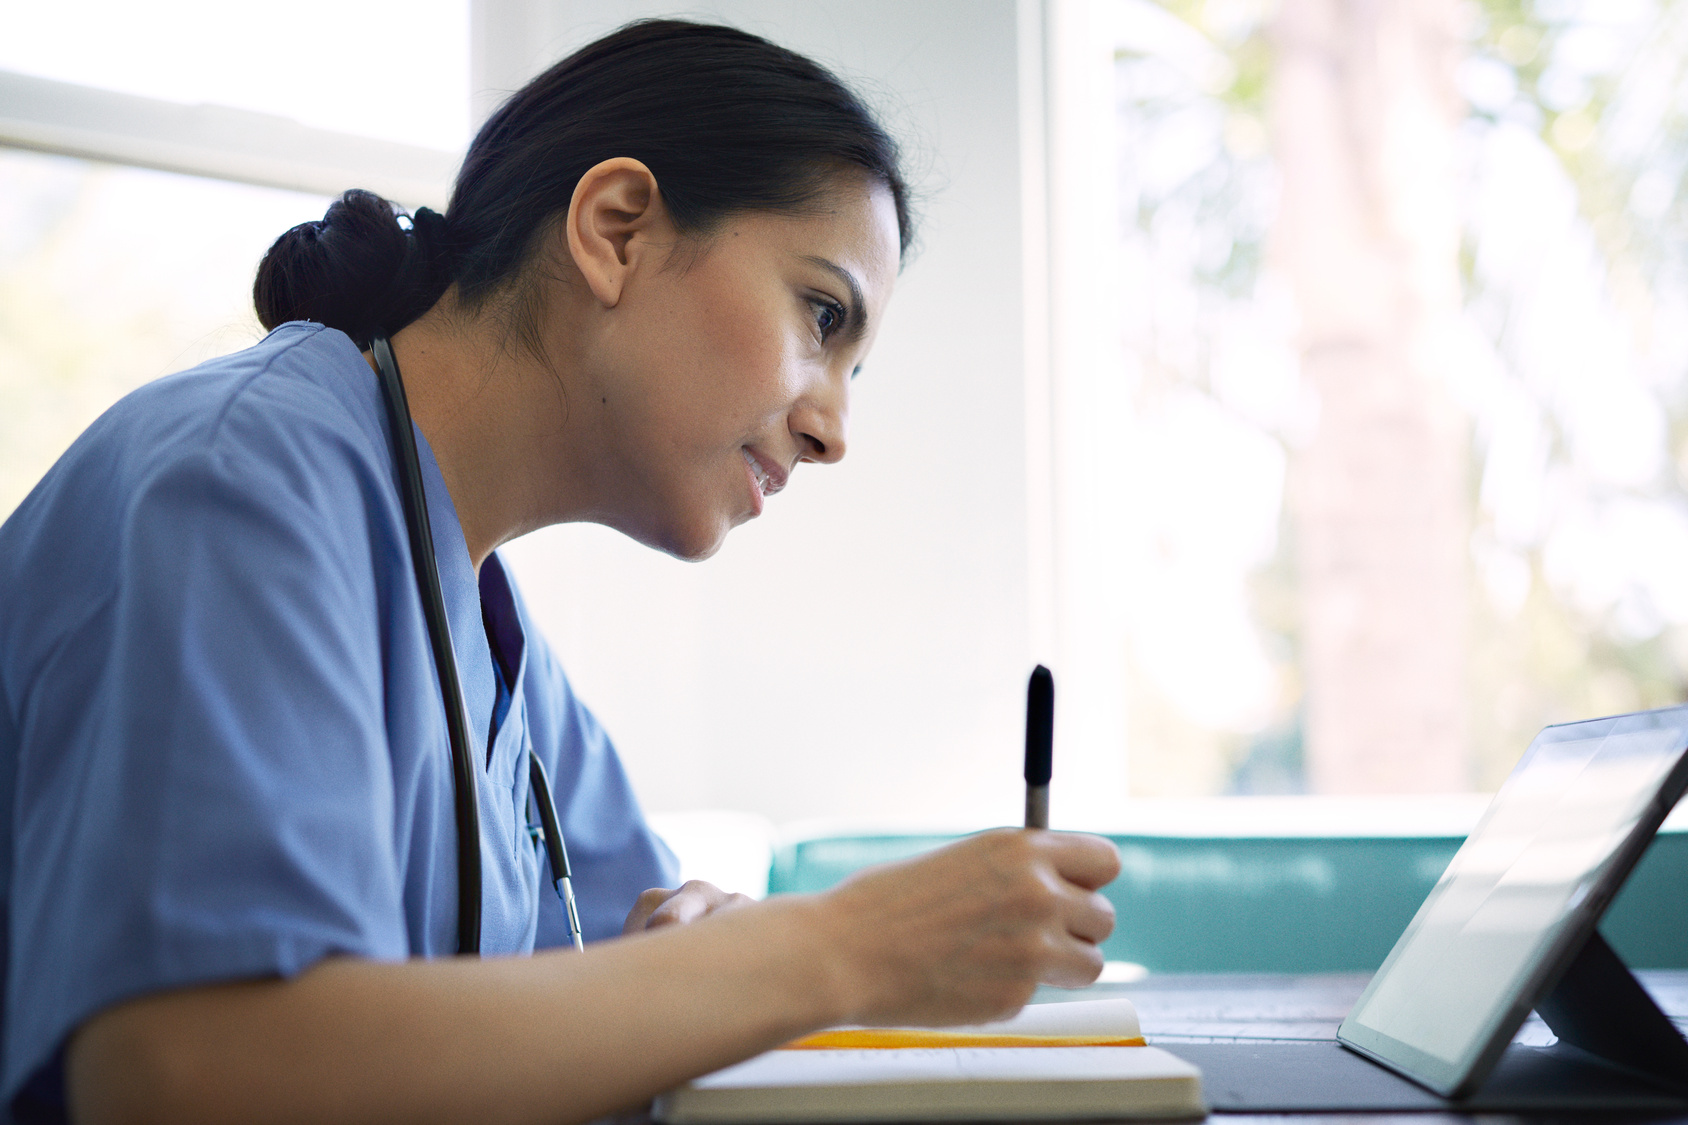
{"x": 1248, "y": 1007}
{"x": 1226, "y": 1008}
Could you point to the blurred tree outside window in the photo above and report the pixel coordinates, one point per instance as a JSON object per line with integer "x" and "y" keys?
{"x": 1407, "y": 313}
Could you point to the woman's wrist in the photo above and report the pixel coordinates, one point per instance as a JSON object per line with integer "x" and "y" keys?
{"x": 818, "y": 964}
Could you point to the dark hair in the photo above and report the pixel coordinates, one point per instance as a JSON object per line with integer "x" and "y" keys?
{"x": 726, "y": 121}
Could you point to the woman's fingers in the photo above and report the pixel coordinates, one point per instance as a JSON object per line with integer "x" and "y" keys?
{"x": 1090, "y": 917}
{"x": 661, "y": 906}
{"x": 692, "y": 901}
{"x": 1075, "y": 963}
{"x": 1090, "y": 861}
{"x": 644, "y": 906}
{"x": 1081, "y": 863}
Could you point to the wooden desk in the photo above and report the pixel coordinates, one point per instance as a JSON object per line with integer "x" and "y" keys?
{"x": 1229, "y": 1008}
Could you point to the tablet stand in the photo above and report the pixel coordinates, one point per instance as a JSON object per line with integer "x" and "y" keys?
{"x": 1599, "y": 1006}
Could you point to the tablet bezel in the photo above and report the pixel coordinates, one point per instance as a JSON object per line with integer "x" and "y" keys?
{"x": 1551, "y": 958}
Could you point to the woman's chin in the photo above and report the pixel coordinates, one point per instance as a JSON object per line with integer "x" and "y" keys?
{"x": 694, "y": 543}
{"x": 696, "y": 553}
{"x": 688, "y": 535}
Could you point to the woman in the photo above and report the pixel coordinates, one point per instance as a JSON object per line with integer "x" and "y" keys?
{"x": 222, "y": 743}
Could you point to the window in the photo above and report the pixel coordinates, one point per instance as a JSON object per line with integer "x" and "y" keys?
{"x": 350, "y": 66}
{"x": 1406, "y": 358}
{"x": 112, "y": 276}
{"x": 115, "y": 275}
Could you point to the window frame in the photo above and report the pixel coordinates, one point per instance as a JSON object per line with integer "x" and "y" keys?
{"x": 215, "y": 142}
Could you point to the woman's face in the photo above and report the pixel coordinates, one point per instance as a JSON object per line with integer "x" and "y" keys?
{"x": 726, "y": 363}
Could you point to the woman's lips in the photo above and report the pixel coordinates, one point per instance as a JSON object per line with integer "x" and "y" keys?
{"x": 767, "y": 476}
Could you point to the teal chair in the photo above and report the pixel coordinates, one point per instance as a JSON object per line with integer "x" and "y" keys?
{"x": 1282, "y": 904}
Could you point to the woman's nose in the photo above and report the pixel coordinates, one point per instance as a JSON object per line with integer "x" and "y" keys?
{"x": 821, "y": 420}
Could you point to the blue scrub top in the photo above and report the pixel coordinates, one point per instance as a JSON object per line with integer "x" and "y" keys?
{"x": 223, "y": 752}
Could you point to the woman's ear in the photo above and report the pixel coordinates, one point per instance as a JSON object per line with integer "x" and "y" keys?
{"x": 614, "y": 213}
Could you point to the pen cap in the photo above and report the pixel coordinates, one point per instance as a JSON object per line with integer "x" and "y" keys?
{"x": 1040, "y": 726}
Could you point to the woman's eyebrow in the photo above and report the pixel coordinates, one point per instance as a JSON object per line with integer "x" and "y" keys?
{"x": 857, "y": 310}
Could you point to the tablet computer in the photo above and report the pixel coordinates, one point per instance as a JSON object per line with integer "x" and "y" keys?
{"x": 1520, "y": 898}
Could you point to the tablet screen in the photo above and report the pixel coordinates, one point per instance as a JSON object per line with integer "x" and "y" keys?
{"x": 1457, "y": 976}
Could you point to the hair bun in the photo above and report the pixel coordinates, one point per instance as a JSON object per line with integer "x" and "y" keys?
{"x": 355, "y": 269}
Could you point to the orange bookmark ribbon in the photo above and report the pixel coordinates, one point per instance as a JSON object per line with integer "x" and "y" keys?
{"x": 889, "y": 1038}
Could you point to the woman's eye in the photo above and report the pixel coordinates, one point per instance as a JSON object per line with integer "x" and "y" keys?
{"x": 828, "y": 317}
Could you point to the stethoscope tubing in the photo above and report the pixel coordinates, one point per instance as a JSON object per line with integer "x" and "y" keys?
{"x": 464, "y": 786}
{"x": 463, "y": 780}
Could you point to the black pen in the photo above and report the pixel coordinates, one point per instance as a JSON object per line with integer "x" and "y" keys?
{"x": 1040, "y": 745}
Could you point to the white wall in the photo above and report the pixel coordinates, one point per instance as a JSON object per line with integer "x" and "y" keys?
{"x": 860, "y": 651}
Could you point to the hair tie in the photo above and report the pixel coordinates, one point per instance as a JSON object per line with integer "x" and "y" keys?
{"x": 433, "y": 242}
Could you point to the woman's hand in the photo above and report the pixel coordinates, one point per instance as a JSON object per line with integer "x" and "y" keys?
{"x": 661, "y": 906}
{"x": 965, "y": 934}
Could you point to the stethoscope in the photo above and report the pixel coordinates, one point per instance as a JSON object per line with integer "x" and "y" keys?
{"x": 463, "y": 762}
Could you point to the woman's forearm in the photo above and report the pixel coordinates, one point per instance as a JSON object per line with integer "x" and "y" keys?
{"x": 959, "y": 935}
{"x": 555, "y": 1037}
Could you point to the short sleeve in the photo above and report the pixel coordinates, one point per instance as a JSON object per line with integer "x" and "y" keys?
{"x": 204, "y": 789}
{"x": 612, "y": 851}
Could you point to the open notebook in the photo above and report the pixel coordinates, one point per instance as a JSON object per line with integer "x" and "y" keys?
{"x": 1084, "y": 1059}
